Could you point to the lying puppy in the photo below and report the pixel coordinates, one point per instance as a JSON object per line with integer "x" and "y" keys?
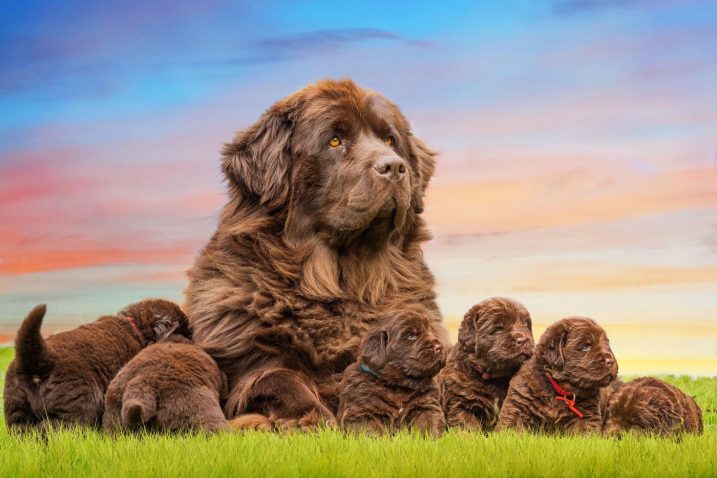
{"x": 167, "y": 387}
{"x": 62, "y": 380}
{"x": 558, "y": 390}
{"x": 393, "y": 385}
{"x": 494, "y": 339}
{"x": 650, "y": 405}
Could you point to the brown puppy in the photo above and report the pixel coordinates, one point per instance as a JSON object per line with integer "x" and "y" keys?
{"x": 393, "y": 384}
{"x": 558, "y": 390}
{"x": 167, "y": 387}
{"x": 649, "y": 405}
{"x": 62, "y": 380}
{"x": 494, "y": 339}
{"x": 321, "y": 234}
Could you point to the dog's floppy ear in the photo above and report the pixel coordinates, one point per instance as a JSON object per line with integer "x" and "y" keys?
{"x": 469, "y": 328}
{"x": 556, "y": 337}
{"x": 426, "y": 159}
{"x": 258, "y": 162}
{"x": 373, "y": 348}
{"x": 164, "y": 327}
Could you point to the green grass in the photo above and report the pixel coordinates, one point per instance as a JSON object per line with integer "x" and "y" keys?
{"x": 329, "y": 453}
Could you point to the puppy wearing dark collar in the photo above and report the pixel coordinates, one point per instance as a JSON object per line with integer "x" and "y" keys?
{"x": 393, "y": 385}
{"x": 494, "y": 339}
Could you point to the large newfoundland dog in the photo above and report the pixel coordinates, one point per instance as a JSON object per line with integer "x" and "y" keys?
{"x": 320, "y": 237}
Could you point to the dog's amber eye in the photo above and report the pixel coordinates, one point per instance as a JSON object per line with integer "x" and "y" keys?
{"x": 389, "y": 141}
{"x": 335, "y": 141}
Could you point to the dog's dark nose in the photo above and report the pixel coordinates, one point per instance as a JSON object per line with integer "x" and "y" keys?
{"x": 521, "y": 339}
{"x": 610, "y": 361}
{"x": 438, "y": 348}
{"x": 391, "y": 167}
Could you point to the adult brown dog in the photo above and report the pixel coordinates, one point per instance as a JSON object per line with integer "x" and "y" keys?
{"x": 62, "y": 380}
{"x": 494, "y": 339}
{"x": 558, "y": 390}
{"x": 322, "y": 232}
{"x": 393, "y": 385}
{"x": 168, "y": 387}
{"x": 649, "y": 405}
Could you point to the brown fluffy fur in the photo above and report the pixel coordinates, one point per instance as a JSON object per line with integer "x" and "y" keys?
{"x": 61, "y": 380}
{"x": 649, "y": 405}
{"x": 167, "y": 387}
{"x": 576, "y": 353}
{"x": 312, "y": 245}
{"x": 396, "y": 386}
{"x": 494, "y": 339}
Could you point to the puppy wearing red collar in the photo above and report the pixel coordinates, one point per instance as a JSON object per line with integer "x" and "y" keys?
{"x": 558, "y": 389}
{"x": 494, "y": 339}
{"x": 61, "y": 380}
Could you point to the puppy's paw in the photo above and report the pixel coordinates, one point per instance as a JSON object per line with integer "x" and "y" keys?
{"x": 312, "y": 420}
{"x": 251, "y": 421}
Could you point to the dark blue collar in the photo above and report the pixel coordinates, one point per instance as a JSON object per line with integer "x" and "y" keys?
{"x": 368, "y": 370}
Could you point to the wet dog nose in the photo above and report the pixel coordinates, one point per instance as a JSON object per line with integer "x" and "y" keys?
{"x": 391, "y": 167}
{"x": 521, "y": 339}
{"x": 610, "y": 361}
{"x": 438, "y": 348}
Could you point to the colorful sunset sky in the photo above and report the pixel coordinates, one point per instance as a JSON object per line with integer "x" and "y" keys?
{"x": 577, "y": 140}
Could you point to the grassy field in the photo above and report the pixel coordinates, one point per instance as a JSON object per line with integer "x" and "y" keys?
{"x": 329, "y": 453}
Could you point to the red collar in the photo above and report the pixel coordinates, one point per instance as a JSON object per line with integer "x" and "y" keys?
{"x": 133, "y": 323}
{"x": 563, "y": 396}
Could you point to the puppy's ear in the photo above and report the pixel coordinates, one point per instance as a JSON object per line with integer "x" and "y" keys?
{"x": 553, "y": 349}
{"x": 426, "y": 159}
{"x": 469, "y": 328}
{"x": 258, "y": 162}
{"x": 373, "y": 349}
{"x": 164, "y": 327}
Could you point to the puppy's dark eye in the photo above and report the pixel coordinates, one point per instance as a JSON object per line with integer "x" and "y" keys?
{"x": 584, "y": 347}
{"x": 389, "y": 141}
{"x": 335, "y": 141}
{"x": 498, "y": 329}
{"x": 411, "y": 336}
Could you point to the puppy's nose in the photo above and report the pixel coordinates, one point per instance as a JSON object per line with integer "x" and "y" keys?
{"x": 438, "y": 348}
{"x": 521, "y": 339}
{"x": 391, "y": 167}
{"x": 610, "y": 361}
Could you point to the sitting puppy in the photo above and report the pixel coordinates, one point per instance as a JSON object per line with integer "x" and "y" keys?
{"x": 62, "y": 380}
{"x": 650, "y": 405}
{"x": 393, "y": 384}
{"x": 494, "y": 339}
{"x": 167, "y": 387}
{"x": 558, "y": 390}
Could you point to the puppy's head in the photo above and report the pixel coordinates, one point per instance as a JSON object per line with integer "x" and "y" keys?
{"x": 576, "y": 351}
{"x": 405, "y": 350}
{"x": 497, "y": 336}
{"x": 158, "y": 319}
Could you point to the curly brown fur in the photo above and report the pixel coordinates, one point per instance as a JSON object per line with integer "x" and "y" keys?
{"x": 494, "y": 339}
{"x": 61, "y": 380}
{"x": 576, "y": 353}
{"x": 649, "y": 405}
{"x": 168, "y": 387}
{"x": 314, "y": 243}
{"x": 393, "y": 385}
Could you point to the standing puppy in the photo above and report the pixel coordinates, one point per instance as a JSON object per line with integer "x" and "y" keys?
{"x": 393, "y": 385}
{"x": 558, "y": 390}
{"x": 62, "y": 380}
{"x": 167, "y": 387}
{"x": 494, "y": 339}
{"x": 649, "y": 405}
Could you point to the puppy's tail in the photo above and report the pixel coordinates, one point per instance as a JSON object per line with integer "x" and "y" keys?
{"x": 31, "y": 354}
{"x": 139, "y": 406}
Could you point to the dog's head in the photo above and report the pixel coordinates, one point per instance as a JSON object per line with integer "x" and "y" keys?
{"x": 496, "y": 336}
{"x": 339, "y": 160}
{"x": 158, "y": 319}
{"x": 576, "y": 352}
{"x": 406, "y": 350}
